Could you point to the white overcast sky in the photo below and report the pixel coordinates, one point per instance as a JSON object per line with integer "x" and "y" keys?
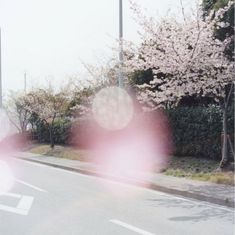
{"x": 49, "y": 38}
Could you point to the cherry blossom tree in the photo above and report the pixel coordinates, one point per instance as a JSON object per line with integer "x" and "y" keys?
{"x": 186, "y": 59}
{"x": 18, "y": 110}
{"x": 48, "y": 105}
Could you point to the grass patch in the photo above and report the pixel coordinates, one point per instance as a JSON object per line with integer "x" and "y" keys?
{"x": 198, "y": 169}
{"x": 188, "y": 167}
{"x": 60, "y": 151}
{"x": 216, "y": 177}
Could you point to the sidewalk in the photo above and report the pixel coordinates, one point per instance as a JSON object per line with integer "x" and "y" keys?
{"x": 204, "y": 191}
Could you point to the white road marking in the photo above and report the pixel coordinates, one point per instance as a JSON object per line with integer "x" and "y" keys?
{"x": 25, "y": 203}
{"x": 130, "y": 227}
{"x": 134, "y": 186}
{"x": 30, "y": 185}
{"x": 23, "y": 207}
{"x": 11, "y": 195}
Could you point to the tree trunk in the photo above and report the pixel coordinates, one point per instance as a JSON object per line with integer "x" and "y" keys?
{"x": 51, "y": 136}
{"x": 225, "y": 158}
{"x": 39, "y": 133}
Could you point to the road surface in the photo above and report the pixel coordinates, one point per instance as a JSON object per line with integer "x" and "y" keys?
{"x": 49, "y": 201}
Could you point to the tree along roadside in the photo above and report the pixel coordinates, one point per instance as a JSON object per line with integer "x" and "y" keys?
{"x": 186, "y": 59}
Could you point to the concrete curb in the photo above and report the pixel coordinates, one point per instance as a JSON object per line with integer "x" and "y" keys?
{"x": 149, "y": 185}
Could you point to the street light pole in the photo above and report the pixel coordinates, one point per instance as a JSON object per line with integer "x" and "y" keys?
{"x": 120, "y": 79}
{"x": 0, "y": 70}
{"x": 25, "y": 82}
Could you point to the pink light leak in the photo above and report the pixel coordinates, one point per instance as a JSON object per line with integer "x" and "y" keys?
{"x": 9, "y": 140}
{"x": 8, "y": 146}
{"x": 141, "y": 148}
{"x": 14, "y": 142}
{"x": 4, "y": 124}
{"x": 6, "y": 178}
{"x": 9, "y": 143}
{"x": 136, "y": 151}
{"x": 112, "y": 108}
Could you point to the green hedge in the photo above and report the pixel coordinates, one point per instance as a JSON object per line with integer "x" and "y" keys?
{"x": 197, "y": 130}
{"x": 61, "y": 131}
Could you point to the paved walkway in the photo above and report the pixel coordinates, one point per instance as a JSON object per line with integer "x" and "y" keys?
{"x": 205, "y": 191}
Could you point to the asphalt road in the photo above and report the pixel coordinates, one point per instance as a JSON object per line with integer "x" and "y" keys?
{"x": 50, "y": 201}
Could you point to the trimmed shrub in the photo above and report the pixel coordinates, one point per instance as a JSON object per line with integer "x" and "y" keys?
{"x": 197, "y": 130}
{"x": 61, "y": 132}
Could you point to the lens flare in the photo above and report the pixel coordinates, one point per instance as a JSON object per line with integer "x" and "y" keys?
{"x": 6, "y": 178}
{"x": 138, "y": 151}
{"x": 125, "y": 145}
{"x": 112, "y": 108}
{"x": 4, "y": 124}
{"x": 10, "y": 139}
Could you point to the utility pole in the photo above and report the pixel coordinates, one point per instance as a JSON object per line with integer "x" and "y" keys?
{"x": 25, "y": 81}
{"x": 120, "y": 79}
{"x": 1, "y": 105}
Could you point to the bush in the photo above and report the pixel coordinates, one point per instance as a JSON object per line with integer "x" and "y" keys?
{"x": 61, "y": 132}
{"x": 197, "y": 130}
